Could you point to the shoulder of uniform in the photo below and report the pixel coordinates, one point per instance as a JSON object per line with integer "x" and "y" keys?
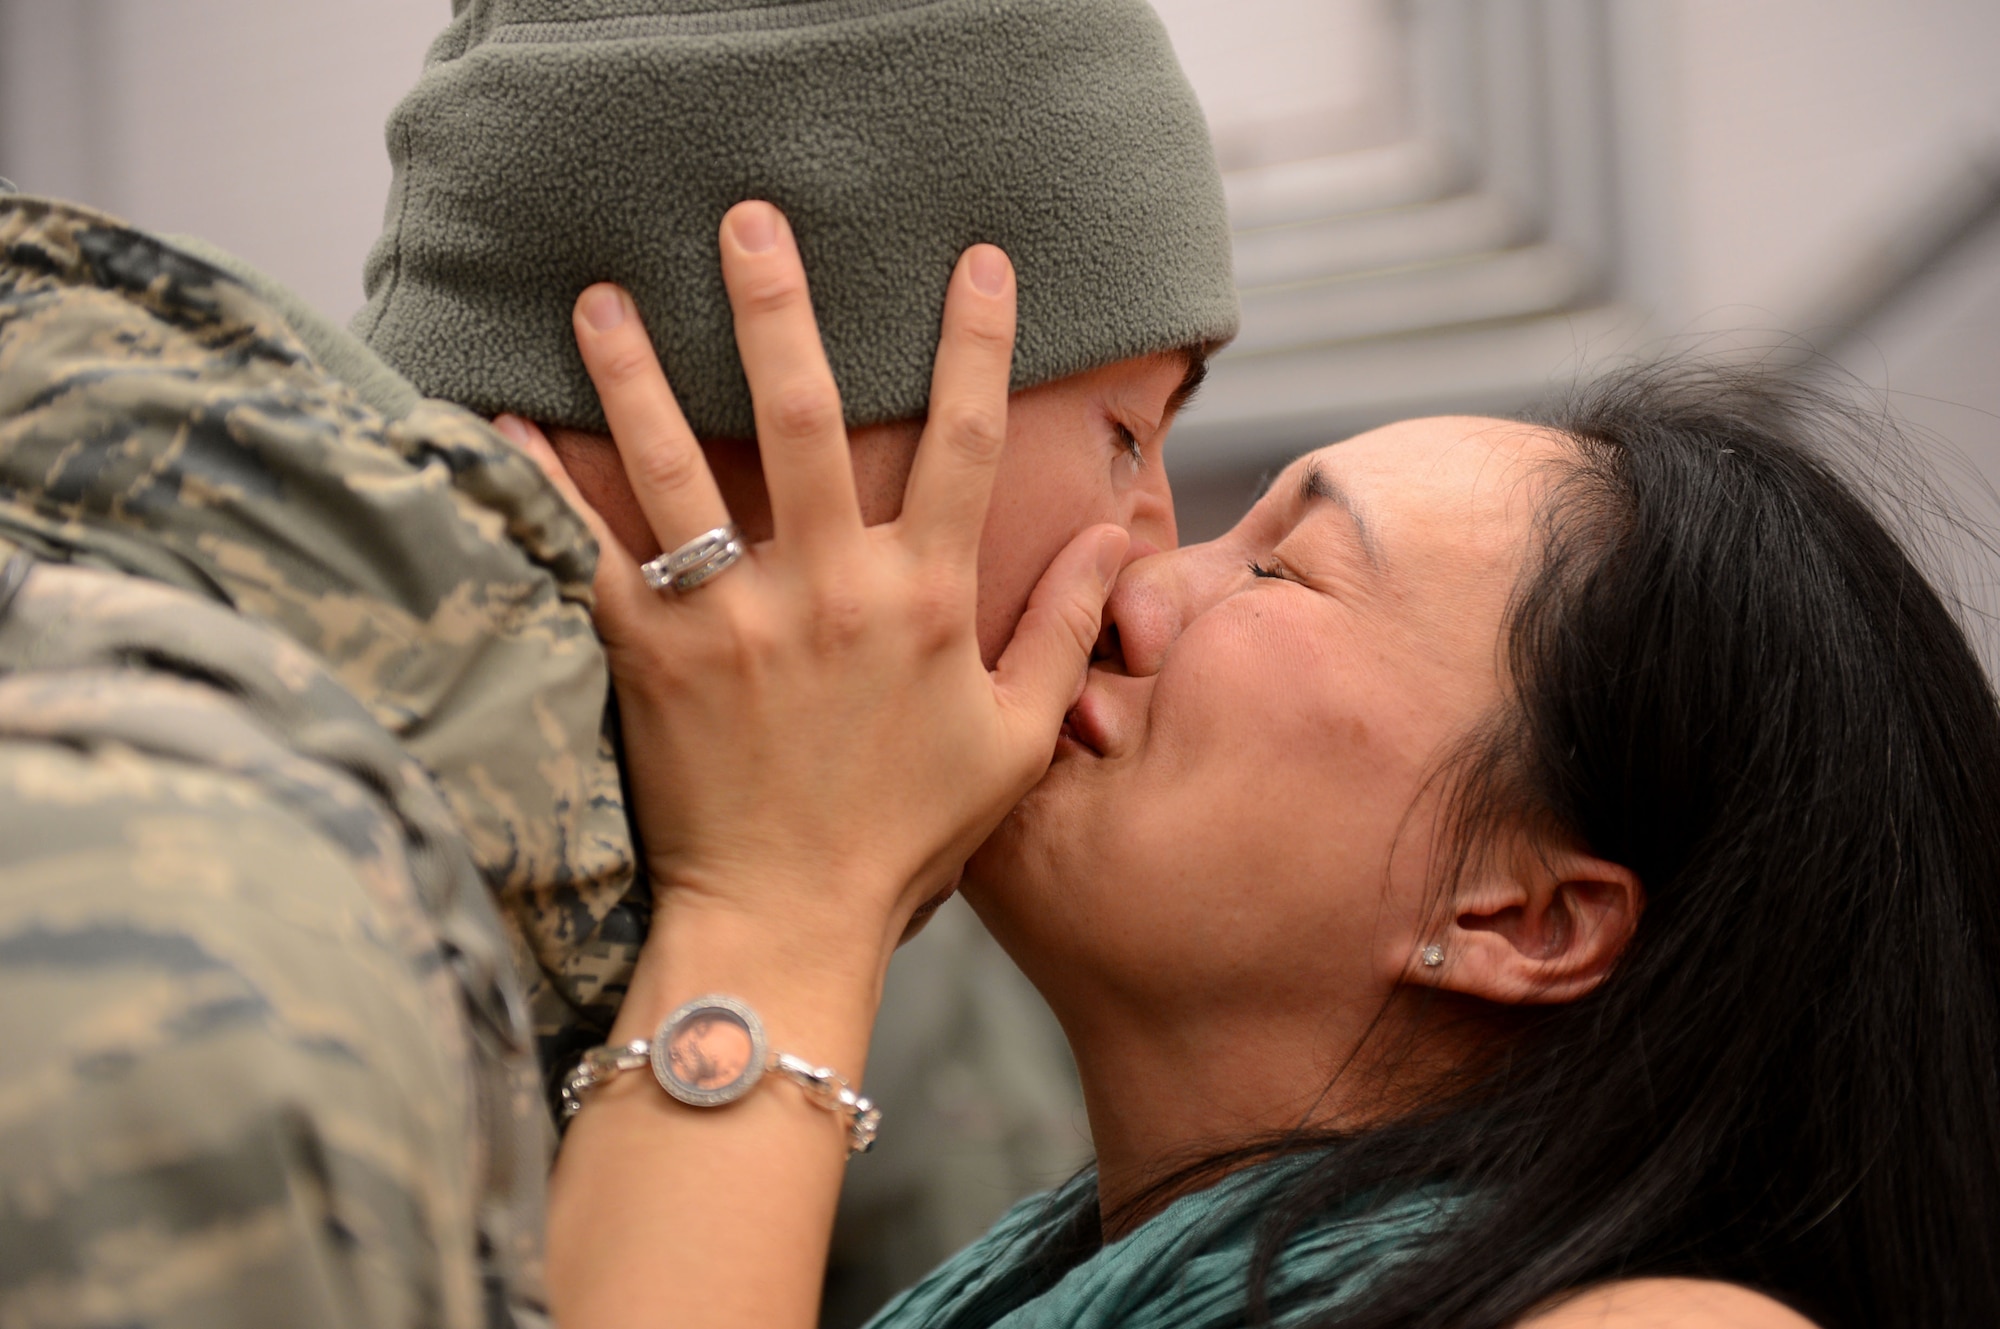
{"x": 1668, "y": 1303}
{"x": 224, "y": 308}
{"x": 337, "y": 351}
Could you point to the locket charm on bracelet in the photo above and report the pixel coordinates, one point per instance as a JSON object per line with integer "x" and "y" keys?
{"x": 699, "y": 560}
{"x": 710, "y": 1052}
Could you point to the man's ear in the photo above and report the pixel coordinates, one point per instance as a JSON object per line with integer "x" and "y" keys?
{"x": 1535, "y": 925}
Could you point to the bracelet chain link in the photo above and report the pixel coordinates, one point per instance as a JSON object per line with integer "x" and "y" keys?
{"x": 823, "y": 1086}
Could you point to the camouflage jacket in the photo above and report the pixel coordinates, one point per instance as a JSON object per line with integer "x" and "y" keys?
{"x": 293, "y": 689}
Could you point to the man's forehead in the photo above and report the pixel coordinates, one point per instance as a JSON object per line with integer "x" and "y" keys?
{"x": 1180, "y": 371}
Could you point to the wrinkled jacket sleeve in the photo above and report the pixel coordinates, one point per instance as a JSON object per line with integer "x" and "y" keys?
{"x": 233, "y": 1091}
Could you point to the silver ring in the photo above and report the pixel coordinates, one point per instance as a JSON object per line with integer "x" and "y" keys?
{"x": 700, "y": 559}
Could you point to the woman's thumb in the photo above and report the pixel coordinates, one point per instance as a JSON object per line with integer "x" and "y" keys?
{"x": 1040, "y": 670}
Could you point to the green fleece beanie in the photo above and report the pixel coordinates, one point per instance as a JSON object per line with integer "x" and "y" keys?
{"x": 555, "y": 143}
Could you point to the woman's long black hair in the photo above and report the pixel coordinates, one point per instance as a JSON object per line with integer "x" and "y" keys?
{"x": 1729, "y": 676}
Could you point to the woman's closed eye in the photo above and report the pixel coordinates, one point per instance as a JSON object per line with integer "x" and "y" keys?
{"x": 1274, "y": 568}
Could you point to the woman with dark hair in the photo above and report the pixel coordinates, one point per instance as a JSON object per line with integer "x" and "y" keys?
{"x": 1529, "y": 872}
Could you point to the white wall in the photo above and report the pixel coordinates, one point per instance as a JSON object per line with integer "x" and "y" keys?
{"x": 1777, "y": 164}
{"x": 1786, "y": 160}
{"x": 256, "y": 124}
{"x": 1779, "y": 142}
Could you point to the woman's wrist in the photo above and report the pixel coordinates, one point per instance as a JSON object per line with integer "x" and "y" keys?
{"x": 828, "y": 914}
{"x": 814, "y": 975}
{"x": 640, "y": 1171}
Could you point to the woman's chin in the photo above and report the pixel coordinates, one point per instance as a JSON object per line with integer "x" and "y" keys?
{"x": 1039, "y": 839}
{"x": 1002, "y": 862}
{"x": 993, "y": 863}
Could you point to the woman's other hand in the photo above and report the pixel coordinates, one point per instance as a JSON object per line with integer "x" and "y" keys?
{"x": 812, "y": 740}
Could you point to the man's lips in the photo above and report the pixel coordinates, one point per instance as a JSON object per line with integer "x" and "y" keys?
{"x": 1084, "y": 725}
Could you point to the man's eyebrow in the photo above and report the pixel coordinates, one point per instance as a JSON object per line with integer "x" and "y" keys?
{"x": 1191, "y": 381}
{"x": 1315, "y": 485}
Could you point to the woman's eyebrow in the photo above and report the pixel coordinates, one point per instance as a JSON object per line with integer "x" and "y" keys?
{"x": 1315, "y": 485}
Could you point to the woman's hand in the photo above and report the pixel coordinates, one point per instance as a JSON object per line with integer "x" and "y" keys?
{"x": 813, "y": 746}
{"x": 811, "y": 737}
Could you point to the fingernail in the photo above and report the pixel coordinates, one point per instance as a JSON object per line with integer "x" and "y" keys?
{"x": 511, "y": 426}
{"x": 989, "y": 270}
{"x": 603, "y": 308}
{"x": 1111, "y": 555}
{"x": 755, "y": 227}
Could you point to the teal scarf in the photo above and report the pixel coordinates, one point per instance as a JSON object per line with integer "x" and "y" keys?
{"x": 1185, "y": 1268}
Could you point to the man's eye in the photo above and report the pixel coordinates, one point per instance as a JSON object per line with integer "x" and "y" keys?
{"x": 1130, "y": 442}
{"x": 1267, "y": 570}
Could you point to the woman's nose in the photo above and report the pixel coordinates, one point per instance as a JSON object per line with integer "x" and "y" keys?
{"x": 1155, "y": 599}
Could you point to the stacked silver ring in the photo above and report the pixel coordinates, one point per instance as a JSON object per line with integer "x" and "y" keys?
{"x": 700, "y": 559}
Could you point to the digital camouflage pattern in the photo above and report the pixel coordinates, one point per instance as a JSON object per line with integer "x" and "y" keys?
{"x": 296, "y": 679}
{"x": 291, "y": 692}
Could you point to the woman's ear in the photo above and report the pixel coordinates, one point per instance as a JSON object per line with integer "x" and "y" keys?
{"x": 1534, "y": 925}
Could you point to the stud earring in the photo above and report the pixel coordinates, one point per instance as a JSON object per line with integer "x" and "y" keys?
{"x": 1433, "y": 956}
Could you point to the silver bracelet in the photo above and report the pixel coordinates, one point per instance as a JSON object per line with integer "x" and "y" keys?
{"x": 711, "y": 1052}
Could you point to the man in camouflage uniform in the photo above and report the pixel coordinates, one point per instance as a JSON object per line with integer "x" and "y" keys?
{"x": 314, "y": 862}
{"x": 287, "y": 679}
{"x": 286, "y": 684}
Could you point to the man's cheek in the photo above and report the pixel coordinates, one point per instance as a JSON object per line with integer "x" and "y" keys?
{"x": 1152, "y": 521}
{"x": 1017, "y": 546}
{"x": 1003, "y": 597}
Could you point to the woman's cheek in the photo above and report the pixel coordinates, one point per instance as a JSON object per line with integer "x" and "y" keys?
{"x": 1229, "y": 686}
